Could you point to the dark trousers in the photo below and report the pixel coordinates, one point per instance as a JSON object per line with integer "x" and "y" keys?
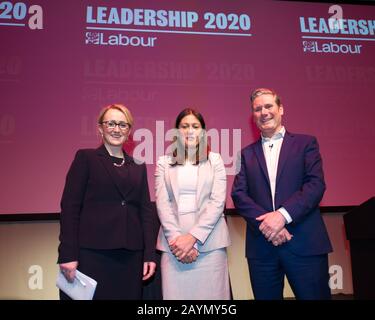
{"x": 307, "y": 275}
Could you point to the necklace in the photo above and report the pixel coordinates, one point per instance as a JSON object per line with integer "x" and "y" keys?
{"x": 119, "y": 164}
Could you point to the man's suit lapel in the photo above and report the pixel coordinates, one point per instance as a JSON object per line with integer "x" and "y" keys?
{"x": 105, "y": 159}
{"x": 284, "y": 153}
{"x": 261, "y": 160}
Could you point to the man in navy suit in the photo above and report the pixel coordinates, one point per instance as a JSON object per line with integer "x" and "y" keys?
{"x": 277, "y": 191}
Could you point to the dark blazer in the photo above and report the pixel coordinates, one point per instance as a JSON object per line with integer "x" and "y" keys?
{"x": 101, "y": 210}
{"x": 299, "y": 189}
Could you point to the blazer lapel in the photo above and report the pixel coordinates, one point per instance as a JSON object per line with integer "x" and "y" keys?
{"x": 202, "y": 175}
{"x": 172, "y": 171}
{"x": 284, "y": 152}
{"x": 203, "y": 169}
{"x": 105, "y": 159}
{"x": 261, "y": 160}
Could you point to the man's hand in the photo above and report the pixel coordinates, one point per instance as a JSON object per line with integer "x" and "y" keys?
{"x": 282, "y": 237}
{"x": 182, "y": 245}
{"x": 272, "y": 223}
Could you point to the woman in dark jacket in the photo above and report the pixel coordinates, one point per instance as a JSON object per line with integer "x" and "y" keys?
{"x": 107, "y": 221}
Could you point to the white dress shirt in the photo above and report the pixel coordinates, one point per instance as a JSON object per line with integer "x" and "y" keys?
{"x": 271, "y": 150}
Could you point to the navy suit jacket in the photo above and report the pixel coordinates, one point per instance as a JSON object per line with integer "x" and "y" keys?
{"x": 299, "y": 189}
{"x": 102, "y": 210}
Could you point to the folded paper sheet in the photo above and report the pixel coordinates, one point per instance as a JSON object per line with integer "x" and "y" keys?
{"x": 82, "y": 288}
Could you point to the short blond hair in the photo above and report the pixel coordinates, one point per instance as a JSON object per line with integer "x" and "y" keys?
{"x": 260, "y": 91}
{"x": 119, "y": 107}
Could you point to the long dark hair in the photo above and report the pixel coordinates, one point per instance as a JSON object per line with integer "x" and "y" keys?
{"x": 203, "y": 149}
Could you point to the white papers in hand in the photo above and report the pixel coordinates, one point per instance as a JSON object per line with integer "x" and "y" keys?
{"x": 82, "y": 288}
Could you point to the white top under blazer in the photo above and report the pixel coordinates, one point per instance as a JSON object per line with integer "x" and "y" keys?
{"x": 182, "y": 209}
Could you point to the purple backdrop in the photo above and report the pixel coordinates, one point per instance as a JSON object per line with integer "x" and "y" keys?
{"x": 62, "y": 61}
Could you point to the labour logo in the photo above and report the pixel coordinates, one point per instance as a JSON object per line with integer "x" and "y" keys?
{"x": 92, "y": 38}
{"x": 308, "y": 46}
